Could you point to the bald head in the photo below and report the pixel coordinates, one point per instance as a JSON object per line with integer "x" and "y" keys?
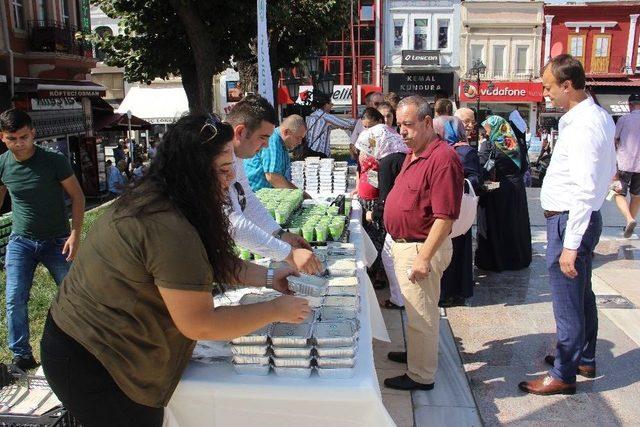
{"x": 292, "y": 130}
{"x": 468, "y": 117}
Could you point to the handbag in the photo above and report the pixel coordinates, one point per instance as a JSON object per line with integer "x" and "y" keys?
{"x": 468, "y": 210}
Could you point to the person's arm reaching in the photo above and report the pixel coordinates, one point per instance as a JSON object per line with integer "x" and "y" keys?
{"x": 72, "y": 188}
{"x": 278, "y": 181}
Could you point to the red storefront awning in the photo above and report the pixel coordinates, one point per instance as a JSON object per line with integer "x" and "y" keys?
{"x": 501, "y": 92}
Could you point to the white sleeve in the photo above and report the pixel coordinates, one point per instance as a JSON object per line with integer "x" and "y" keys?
{"x": 250, "y": 236}
{"x": 584, "y": 158}
{"x": 254, "y": 210}
{"x": 356, "y": 131}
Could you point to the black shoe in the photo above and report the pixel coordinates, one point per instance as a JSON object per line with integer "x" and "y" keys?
{"x": 403, "y": 382}
{"x": 25, "y": 362}
{"x": 398, "y": 356}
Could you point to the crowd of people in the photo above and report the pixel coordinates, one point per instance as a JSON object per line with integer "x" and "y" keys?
{"x": 125, "y": 320}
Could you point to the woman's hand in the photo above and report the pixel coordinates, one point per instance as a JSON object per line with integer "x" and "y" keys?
{"x": 280, "y": 275}
{"x": 290, "y": 309}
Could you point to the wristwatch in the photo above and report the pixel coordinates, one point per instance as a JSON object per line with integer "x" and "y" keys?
{"x": 279, "y": 233}
{"x": 270, "y": 274}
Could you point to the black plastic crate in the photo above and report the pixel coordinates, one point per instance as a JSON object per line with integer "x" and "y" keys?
{"x": 57, "y": 417}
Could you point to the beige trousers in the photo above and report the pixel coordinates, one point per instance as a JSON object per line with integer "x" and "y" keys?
{"x": 421, "y": 303}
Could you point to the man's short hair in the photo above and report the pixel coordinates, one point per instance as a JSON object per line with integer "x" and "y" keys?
{"x": 251, "y": 111}
{"x": 421, "y": 104}
{"x": 14, "y": 119}
{"x": 392, "y": 98}
{"x": 370, "y": 95}
{"x": 444, "y": 107}
{"x": 567, "y": 68}
{"x": 293, "y": 123}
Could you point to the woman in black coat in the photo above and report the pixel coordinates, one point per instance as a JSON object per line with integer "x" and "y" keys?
{"x": 456, "y": 284}
{"x": 504, "y": 230}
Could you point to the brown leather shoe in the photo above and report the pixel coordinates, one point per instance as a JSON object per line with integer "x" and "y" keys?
{"x": 583, "y": 370}
{"x": 547, "y": 385}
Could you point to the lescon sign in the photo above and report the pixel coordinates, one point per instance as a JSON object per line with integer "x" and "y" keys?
{"x": 502, "y": 92}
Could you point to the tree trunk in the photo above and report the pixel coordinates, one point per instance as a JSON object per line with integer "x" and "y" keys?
{"x": 197, "y": 81}
{"x": 248, "y": 70}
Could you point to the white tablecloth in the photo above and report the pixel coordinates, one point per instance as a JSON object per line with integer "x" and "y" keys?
{"x": 214, "y": 395}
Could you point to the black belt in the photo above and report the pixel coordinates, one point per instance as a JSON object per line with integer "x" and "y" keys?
{"x": 549, "y": 214}
{"x": 409, "y": 240}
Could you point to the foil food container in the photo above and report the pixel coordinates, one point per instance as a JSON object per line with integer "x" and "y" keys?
{"x": 240, "y": 359}
{"x": 335, "y": 362}
{"x": 314, "y": 302}
{"x": 292, "y": 362}
{"x": 341, "y": 249}
{"x": 342, "y": 281}
{"x": 340, "y": 352}
{"x": 349, "y": 301}
{"x": 291, "y": 335}
{"x": 341, "y": 266}
{"x": 333, "y": 314}
{"x": 306, "y": 284}
{"x": 243, "y": 369}
{"x": 258, "y": 337}
{"x": 293, "y": 372}
{"x": 290, "y": 352}
{"x": 250, "y": 350}
{"x": 341, "y": 291}
{"x": 254, "y": 298}
{"x": 334, "y": 334}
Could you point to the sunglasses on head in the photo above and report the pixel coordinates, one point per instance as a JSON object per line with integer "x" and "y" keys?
{"x": 242, "y": 198}
{"x": 209, "y": 129}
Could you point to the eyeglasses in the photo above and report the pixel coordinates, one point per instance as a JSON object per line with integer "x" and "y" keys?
{"x": 242, "y": 198}
{"x": 209, "y": 129}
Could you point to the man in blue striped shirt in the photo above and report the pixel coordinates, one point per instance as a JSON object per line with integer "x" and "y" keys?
{"x": 271, "y": 166}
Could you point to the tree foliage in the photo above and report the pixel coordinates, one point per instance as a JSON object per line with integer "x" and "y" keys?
{"x": 195, "y": 39}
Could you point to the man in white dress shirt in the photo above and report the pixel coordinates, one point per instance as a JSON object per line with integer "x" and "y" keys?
{"x": 573, "y": 191}
{"x": 253, "y": 120}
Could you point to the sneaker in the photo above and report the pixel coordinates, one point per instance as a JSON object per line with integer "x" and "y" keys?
{"x": 628, "y": 230}
{"x": 25, "y": 362}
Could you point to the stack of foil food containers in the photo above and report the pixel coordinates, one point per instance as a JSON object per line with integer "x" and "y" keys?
{"x": 312, "y": 174}
{"x": 326, "y": 176}
{"x": 340, "y": 177}
{"x": 297, "y": 174}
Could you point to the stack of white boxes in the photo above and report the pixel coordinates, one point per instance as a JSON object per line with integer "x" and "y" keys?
{"x": 326, "y": 176}
{"x": 340, "y": 177}
{"x": 297, "y": 174}
{"x": 312, "y": 174}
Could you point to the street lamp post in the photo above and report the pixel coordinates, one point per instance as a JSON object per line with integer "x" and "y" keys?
{"x": 131, "y": 148}
{"x": 322, "y": 83}
{"x": 477, "y": 70}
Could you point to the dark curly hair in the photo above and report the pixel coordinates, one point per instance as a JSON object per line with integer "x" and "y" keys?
{"x": 181, "y": 175}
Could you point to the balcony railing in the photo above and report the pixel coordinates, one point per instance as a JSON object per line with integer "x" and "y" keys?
{"x": 54, "y": 36}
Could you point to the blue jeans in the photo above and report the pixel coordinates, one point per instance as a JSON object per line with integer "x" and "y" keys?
{"x": 574, "y": 303}
{"x": 23, "y": 255}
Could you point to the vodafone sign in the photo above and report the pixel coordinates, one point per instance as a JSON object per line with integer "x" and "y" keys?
{"x": 501, "y": 92}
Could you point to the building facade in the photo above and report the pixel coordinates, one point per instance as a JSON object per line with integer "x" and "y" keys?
{"x": 605, "y": 37}
{"x": 112, "y": 78}
{"x": 45, "y": 65}
{"x": 506, "y": 36}
{"x": 421, "y": 49}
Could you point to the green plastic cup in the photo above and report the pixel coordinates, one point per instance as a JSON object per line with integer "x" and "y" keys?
{"x": 336, "y": 229}
{"x": 307, "y": 233}
{"x": 281, "y": 215}
{"x": 245, "y": 254}
{"x": 332, "y": 210}
{"x": 322, "y": 231}
{"x": 347, "y": 207}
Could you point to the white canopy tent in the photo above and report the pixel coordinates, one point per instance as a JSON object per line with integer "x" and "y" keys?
{"x": 157, "y": 105}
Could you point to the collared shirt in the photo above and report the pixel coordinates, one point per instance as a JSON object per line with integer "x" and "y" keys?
{"x": 272, "y": 159}
{"x": 427, "y": 188}
{"x": 116, "y": 180}
{"x": 581, "y": 169}
{"x": 628, "y": 131}
{"x": 253, "y": 228}
{"x": 319, "y": 126}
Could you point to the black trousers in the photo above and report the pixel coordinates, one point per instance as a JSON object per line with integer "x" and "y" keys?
{"x": 86, "y": 388}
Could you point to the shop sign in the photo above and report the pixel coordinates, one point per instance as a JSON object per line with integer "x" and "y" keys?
{"x": 501, "y": 92}
{"x": 425, "y": 84}
{"x": 49, "y": 104}
{"x": 341, "y": 94}
{"x": 420, "y": 57}
{"x": 69, "y": 93}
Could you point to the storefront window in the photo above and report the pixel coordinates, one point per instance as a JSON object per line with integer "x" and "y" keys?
{"x": 17, "y": 8}
{"x": 420, "y": 34}
{"x": 498, "y": 60}
{"x": 366, "y": 71}
{"x": 522, "y": 54}
{"x": 398, "y": 33}
{"x": 443, "y": 34}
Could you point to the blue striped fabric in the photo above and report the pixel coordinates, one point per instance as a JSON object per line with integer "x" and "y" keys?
{"x": 272, "y": 159}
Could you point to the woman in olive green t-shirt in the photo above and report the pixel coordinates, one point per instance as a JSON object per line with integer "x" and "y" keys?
{"x": 126, "y": 318}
